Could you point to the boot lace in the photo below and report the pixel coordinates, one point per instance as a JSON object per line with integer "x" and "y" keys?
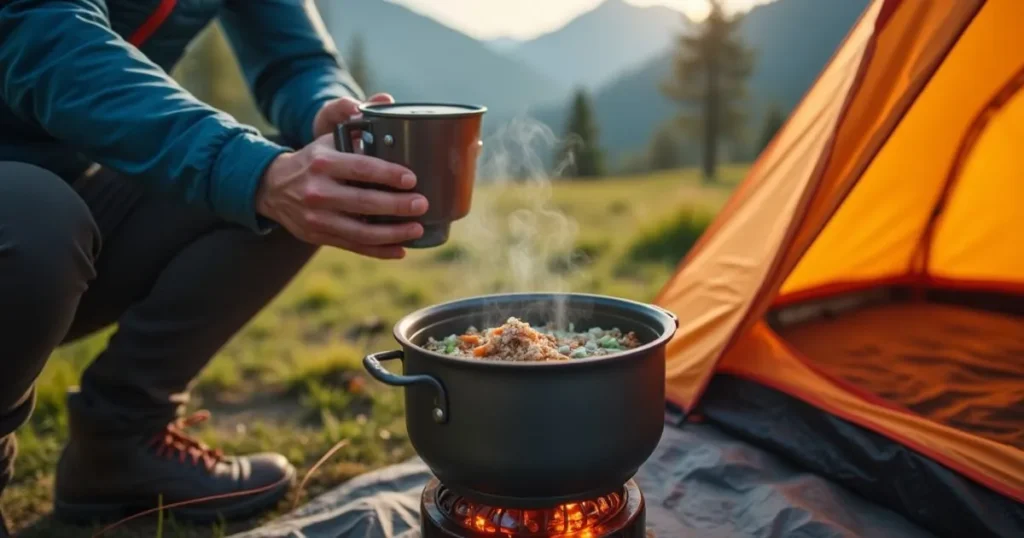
{"x": 173, "y": 442}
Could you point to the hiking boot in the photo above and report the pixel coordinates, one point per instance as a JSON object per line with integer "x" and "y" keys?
{"x": 105, "y": 474}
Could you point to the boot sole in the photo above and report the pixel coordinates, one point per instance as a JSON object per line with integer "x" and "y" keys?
{"x": 243, "y": 507}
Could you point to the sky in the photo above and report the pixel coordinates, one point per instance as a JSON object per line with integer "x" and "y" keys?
{"x": 525, "y": 19}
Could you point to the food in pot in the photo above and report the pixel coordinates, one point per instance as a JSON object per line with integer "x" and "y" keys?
{"x": 516, "y": 340}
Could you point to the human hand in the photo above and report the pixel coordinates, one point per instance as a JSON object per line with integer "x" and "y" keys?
{"x": 341, "y": 110}
{"x": 306, "y": 192}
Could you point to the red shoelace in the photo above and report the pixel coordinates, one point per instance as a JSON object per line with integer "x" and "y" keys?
{"x": 173, "y": 441}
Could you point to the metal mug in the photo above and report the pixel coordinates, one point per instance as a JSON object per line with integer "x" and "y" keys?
{"x": 439, "y": 142}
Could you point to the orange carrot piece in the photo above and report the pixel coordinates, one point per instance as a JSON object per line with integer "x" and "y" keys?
{"x": 470, "y": 339}
{"x": 480, "y": 351}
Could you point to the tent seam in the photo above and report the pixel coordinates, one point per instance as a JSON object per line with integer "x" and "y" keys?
{"x": 966, "y": 148}
{"x": 847, "y": 286}
{"x": 865, "y": 162}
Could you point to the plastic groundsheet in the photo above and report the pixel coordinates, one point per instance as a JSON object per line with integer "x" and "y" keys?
{"x": 699, "y": 483}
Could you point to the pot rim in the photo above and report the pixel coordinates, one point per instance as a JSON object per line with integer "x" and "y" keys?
{"x": 383, "y": 110}
{"x": 668, "y": 320}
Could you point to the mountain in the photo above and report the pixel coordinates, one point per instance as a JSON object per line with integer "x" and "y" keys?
{"x": 602, "y": 42}
{"x": 794, "y": 40}
{"x": 503, "y": 45}
{"x": 416, "y": 58}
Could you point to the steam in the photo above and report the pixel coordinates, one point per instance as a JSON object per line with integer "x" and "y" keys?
{"x": 517, "y": 237}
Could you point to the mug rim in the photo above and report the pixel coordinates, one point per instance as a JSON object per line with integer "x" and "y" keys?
{"x": 382, "y": 110}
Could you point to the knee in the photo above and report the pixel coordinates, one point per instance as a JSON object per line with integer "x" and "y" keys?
{"x": 48, "y": 241}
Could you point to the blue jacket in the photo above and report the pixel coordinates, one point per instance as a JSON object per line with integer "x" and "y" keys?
{"x": 86, "y": 81}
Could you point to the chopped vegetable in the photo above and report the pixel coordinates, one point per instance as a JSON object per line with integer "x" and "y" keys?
{"x": 518, "y": 341}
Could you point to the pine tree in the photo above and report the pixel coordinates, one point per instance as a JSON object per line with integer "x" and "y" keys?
{"x": 709, "y": 76}
{"x": 581, "y": 151}
{"x": 358, "y": 64}
{"x": 664, "y": 152}
{"x": 773, "y": 120}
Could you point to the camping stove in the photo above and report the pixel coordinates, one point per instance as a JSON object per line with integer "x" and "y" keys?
{"x": 446, "y": 514}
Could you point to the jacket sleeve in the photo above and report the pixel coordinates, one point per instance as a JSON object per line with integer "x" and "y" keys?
{"x": 290, "y": 62}
{"x": 62, "y": 67}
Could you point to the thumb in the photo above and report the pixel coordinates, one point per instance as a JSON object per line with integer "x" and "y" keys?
{"x": 382, "y": 98}
{"x": 339, "y": 110}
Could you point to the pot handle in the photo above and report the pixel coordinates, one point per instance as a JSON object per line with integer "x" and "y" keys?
{"x": 372, "y": 364}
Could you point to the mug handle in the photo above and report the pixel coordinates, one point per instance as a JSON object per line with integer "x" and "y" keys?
{"x": 343, "y": 135}
{"x": 372, "y": 364}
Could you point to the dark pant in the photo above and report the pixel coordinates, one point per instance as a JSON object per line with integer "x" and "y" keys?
{"x": 178, "y": 281}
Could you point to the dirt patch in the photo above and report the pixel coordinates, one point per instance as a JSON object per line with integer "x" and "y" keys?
{"x": 232, "y": 412}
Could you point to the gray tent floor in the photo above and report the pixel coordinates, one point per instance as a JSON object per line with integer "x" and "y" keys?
{"x": 699, "y": 482}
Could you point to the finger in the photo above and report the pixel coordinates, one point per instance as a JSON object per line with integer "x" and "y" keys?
{"x": 383, "y": 253}
{"x": 387, "y": 252}
{"x": 348, "y": 199}
{"x": 355, "y": 231}
{"x": 340, "y": 110}
{"x": 355, "y": 167}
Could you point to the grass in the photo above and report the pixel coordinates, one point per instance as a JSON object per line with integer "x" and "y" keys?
{"x": 291, "y": 380}
{"x": 667, "y": 240}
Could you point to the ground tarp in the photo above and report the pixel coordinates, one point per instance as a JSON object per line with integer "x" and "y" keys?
{"x": 699, "y": 482}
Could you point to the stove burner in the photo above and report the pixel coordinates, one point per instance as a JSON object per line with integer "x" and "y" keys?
{"x": 447, "y": 514}
{"x": 564, "y": 518}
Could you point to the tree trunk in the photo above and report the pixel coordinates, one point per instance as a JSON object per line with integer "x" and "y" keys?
{"x": 711, "y": 118}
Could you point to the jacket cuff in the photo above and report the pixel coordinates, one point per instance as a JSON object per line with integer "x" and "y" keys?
{"x": 237, "y": 175}
{"x": 313, "y": 90}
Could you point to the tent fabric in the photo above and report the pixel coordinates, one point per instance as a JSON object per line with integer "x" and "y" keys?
{"x": 872, "y": 465}
{"x": 908, "y": 52}
{"x": 767, "y": 359}
{"x": 867, "y": 241}
{"x": 956, "y": 366}
{"x": 699, "y": 482}
{"x": 900, "y": 170}
{"x": 986, "y": 249}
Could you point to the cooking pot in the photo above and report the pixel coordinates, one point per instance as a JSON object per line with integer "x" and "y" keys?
{"x": 532, "y": 434}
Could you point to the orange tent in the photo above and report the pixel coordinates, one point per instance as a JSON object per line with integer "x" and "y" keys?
{"x": 869, "y": 271}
